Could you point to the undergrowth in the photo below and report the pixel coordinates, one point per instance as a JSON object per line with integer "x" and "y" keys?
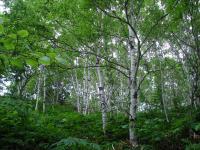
{"x": 21, "y": 128}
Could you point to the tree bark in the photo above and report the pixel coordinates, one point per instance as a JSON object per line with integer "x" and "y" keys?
{"x": 101, "y": 94}
{"x": 86, "y": 87}
{"x": 44, "y": 96}
{"x": 78, "y": 93}
{"x": 134, "y": 57}
{"x": 38, "y": 88}
{"x": 38, "y": 93}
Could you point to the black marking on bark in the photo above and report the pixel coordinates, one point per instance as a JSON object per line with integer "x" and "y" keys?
{"x": 100, "y": 88}
{"x": 135, "y": 95}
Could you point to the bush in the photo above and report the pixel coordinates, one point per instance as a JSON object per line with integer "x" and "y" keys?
{"x": 22, "y": 128}
{"x": 74, "y": 144}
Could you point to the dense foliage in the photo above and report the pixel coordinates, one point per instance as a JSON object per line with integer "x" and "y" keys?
{"x": 99, "y": 74}
{"x": 62, "y": 128}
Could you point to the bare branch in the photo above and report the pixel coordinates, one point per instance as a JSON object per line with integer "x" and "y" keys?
{"x": 153, "y": 27}
{"x": 144, "y": 77}
{"x": 121, "y": 20}
{"x": 146, "y": 50}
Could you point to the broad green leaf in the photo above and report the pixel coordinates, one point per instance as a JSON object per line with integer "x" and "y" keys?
{"x": 9, "y": 45}
{"x": 1, "y": 29}
{"x": 3, "y": 56}
{"x": 197, "y": 127}
{"x": 61, "y": 60}
{"x": 5, "y": 59}
{"x": 51, "y": 55}
{"x": 124, "y": 126}
{"x": 45, "y": 60}
{"x": 12, "y": 36}
{"x": 31, "y": 62}
{"x": 22, "y": 33}
{"x": 16, "y": 62}
{"x": 37, "y": 54}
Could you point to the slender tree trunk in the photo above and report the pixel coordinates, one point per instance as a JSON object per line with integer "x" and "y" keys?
{"x": 88, "y": 89}
{"x": 57, "y": 92}
{"x": 133, "y": 100}
{"x": 38, "y": 87}
{"x": 78, "y": 93}
{"x": 76, "y": 90}
{"x": 162, "y": 92}
{"x": 54, "y": 94}
{"x": 102, "y": 94}
{"x": 18, "y": 87}
{"x": 134, "y": 48}
{"x": 174, "y": 100}
{"x": 85, "y": 86}
{"x": 38, "y": 92}
{"x": 44, "y": 96}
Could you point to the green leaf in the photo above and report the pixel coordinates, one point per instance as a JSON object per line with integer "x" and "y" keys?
{"x": 2, "y": 56}
{"x": 75, "y": 142}
{"x": 1, "y": 29}
{"x": 31, "y": 62}
{"x": 45, "y": 60}
{"x": 22, "y": 33}
{"x": 197, "y": 127}
{"x": 193, "y": 147}
{"x": 9, "y": 45}
{"x": 61, "y": 60}
{"x": 16, "y": 63}
{"x": 12, "y": 36}
{"x": 124, "y": 126}
{"x": 51, "y": 55}
{"x": 37, "y": 54}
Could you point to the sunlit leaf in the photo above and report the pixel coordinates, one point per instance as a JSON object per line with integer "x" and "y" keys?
{"x": 1, "y": 29}
{"x": 12, "y": 36}
{"x": 22, "y": 33}
{"x": 45, "y": 60}
{"x": 9, "y": 45}
{"x": 31, "y": 62}
{"x": 51, "y": 55}
{"x": 16, "y": 62}
{"x": 61, "y": 60}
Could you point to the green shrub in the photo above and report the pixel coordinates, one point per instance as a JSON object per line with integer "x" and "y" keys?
{"x": 74, "y": 144}
{"x": 193, "y": 147}
{"x": 22, "y": 128}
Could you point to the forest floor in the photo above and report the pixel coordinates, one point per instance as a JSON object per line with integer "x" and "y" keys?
{"x": 60, "y": 128}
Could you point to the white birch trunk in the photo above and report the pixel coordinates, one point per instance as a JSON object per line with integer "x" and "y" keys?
{"x": 38, "y": 88}
{"x": 38, "y": 93}
{"x": 85, "y": 86}
{"x": 57, "y": 92}
{"x": 76, "y": 90}
{"x": 44, "y": 94}
{"x": 133, "y": 100}
{"x": 102, "y": 94}
{"x": 88, "y": 90}
{"x": 133, "y": 49}
{"x": 78, "y": 93}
